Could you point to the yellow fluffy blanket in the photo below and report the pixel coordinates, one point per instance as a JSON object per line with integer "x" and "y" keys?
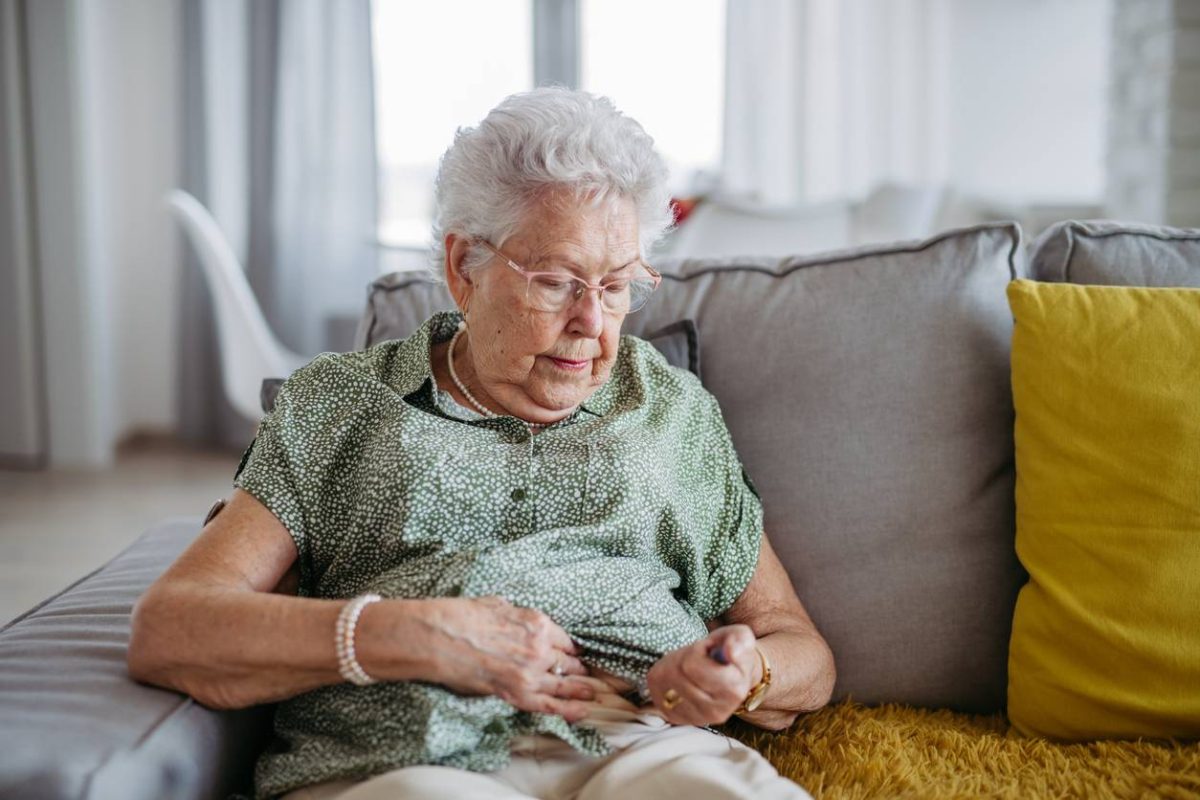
{"x": 848, "y": 751}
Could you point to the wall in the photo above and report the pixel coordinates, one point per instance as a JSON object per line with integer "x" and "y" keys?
{"x": 1027, "y": 98}
{"x": 1154, "y": 131}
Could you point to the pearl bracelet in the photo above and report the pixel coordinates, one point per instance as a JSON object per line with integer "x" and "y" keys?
{"x": 347, "y": 621}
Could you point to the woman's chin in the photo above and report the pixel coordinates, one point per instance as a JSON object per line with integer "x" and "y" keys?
{"x": 556, "y": 404}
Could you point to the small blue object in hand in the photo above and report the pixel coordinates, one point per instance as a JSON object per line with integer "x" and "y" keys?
{"x": 717, "y": 654}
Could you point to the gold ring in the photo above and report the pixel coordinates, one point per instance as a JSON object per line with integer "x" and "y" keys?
{"x": 671, "y": 699}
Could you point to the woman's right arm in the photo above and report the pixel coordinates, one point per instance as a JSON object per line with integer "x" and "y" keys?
{"x": 222, "y": 625}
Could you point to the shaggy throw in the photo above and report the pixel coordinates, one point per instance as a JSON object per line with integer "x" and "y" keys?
{"x": 848, "y": 751}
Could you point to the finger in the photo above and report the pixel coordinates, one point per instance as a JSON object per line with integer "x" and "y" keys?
{"x": 570, "y": 710}
{"x": 732, "y": 645}
{"x": 570, "y": 665}
{"x": 560, "y": 639}
{"x": 690, "y": 707}
{"x": 560, "y": 663}
{"x": 536, "y": 622}
{"x": 732, "y": 639}
{"x": 679, "y": 699}
{"x": 707, "y": 681}
{"x": 566, "y": 688}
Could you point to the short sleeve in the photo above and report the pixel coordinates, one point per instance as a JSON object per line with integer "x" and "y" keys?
{"x": 730, "y": 554}
{"x": 283, "y": 468}
{"x": 267, "y": 472}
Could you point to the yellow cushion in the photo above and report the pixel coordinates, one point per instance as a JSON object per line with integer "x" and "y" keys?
{"x": 1106, "y": 634}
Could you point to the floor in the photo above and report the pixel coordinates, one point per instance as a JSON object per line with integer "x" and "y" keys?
{"x": 56, "y": 526}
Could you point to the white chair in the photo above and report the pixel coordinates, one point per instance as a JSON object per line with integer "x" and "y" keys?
{"x": 249, "y": 350}
{"x": 895, "y": 212}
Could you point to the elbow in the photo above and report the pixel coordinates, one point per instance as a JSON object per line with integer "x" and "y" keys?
{"x": 821, "y": 689}
{"x": 152, "y": 657}
{"x": 149, "y": 658}
{"x": 142, "y": 655}
{"x": 777, "y": 721}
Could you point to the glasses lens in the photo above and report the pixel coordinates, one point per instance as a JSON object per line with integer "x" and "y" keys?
{"x": 640, "y": 290}
{"x": 554, "y": 294}
{"x": 551, "y": 294}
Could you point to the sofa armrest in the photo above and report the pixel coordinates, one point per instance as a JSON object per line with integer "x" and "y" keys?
{"x": 72, "y": 722}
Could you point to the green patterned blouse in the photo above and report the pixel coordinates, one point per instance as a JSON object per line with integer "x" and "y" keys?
{"x": 629, "y": 523}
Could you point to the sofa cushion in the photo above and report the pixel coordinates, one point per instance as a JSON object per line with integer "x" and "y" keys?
{"x": 867, "y": 393}
{"x": 1117, "y": 253}
{"x": 75, "y": 726}
{"x": 1106, "y": 382}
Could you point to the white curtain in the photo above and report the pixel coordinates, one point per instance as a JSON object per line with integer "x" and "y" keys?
{"x": 325, "y": 170}
{"x": 827, "y": 99}
{"x": 279, "y": 142}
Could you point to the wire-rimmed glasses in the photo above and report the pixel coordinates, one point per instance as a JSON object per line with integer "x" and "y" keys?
{"x": 556, "y": 291}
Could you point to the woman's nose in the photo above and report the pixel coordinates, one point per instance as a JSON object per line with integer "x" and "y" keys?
{"x": 587, "y": 315}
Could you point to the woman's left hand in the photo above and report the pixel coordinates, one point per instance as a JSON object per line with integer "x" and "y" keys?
{"x": 692, "y": 687}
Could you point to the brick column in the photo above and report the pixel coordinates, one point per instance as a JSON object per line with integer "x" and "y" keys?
{"x": 1153, "y": 171}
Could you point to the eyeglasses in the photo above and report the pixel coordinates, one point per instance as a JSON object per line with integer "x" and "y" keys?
{"x": 556, "y": 291}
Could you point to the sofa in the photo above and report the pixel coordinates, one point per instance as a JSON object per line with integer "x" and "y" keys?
{"x": 868, "y": 394}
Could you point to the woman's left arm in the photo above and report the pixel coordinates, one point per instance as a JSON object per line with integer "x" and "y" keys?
{"x": 690, "y": 687}
{"x": 802, "y": 669}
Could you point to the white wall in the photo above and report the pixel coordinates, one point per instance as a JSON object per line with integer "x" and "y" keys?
{"x": 1026, "y": 111}
{"x": 103, "y": 80}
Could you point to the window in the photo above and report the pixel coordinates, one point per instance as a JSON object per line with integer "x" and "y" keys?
{"x": 662, "y": 63}
{"x": 433, "y": 74}
{"x": 443, "y": 65}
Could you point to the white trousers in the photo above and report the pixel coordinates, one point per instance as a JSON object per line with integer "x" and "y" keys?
{"x": 653, "y": 759}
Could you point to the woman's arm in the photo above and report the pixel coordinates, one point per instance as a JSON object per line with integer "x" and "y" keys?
{"x": 802, "y": 668}
{"x": 690, "y": 687}
{"x": 216, "y": 627}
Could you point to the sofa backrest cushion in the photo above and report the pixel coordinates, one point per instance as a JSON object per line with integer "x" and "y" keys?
{"x": 1107, "y": 252}
{"x": 73, "y": 723}
{"x": 867, "y": 393}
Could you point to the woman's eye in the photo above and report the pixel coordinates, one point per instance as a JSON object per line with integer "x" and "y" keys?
{"x": 553, "y": 284}
{"x": 616, "y": 287}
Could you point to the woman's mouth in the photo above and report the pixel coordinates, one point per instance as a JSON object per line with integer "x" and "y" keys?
{"x": 569, "y": 365}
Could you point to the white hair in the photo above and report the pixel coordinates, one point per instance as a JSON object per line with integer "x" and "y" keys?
{"x": 548, "y": 138}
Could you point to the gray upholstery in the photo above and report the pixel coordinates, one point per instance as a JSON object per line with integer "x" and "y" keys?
{"x": 1111, "y": 253}
{"x": 868, "y": 395}
{"x": 72, "y": 723}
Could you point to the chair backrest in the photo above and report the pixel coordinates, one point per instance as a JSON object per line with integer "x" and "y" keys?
{"x": 249, "y": 350}
{"x": 897, "y": 212}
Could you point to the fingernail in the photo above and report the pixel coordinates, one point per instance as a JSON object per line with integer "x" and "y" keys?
{"x": 717, "y": 654}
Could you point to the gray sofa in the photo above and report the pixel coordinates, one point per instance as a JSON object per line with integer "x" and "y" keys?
{"x": 868, "y": 394}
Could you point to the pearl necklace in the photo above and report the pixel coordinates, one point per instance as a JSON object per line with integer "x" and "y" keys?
{"x": 488, "y": 413}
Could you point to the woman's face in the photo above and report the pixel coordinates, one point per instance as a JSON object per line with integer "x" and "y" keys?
{"x": 533, "y": 364}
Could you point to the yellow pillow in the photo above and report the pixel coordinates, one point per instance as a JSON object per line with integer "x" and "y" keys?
{"x": 1106, "y": 634}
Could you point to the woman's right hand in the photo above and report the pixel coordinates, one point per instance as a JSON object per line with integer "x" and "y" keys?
{"x": 482, "y": 646}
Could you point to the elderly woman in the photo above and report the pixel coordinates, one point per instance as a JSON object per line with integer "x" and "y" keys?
{"x": 515, "y": 554}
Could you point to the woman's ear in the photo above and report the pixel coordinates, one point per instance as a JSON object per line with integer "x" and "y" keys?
{"x": 457, "y": 281}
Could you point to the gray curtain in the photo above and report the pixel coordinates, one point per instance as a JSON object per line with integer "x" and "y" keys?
{"x": 279, "y": 142}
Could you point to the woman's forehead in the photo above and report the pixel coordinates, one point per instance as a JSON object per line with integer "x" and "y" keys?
{"x": 589, "y": 235}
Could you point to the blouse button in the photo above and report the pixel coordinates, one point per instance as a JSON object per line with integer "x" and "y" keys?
{"x": 518, "y": 495}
